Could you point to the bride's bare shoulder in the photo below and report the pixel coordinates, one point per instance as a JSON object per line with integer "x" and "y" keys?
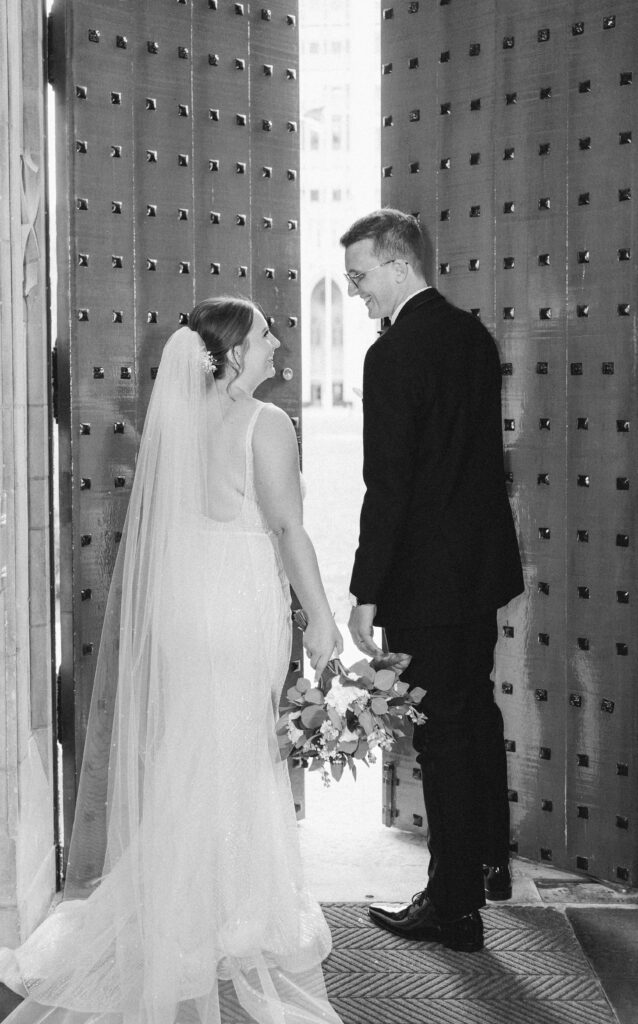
{"x": 272, "y": 417}
{"x": 273, "y": 426}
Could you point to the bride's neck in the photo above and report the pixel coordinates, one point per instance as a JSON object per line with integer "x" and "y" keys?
{"x": 234, "y": 388}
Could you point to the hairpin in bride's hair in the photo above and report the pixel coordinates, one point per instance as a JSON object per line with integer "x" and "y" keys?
{"x": 208, "y": 362}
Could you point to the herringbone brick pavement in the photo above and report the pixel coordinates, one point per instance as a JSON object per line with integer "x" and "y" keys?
{"x": 532, "y": 971}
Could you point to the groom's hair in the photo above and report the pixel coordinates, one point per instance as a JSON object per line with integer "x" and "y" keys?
{"x": 394, "y": 235}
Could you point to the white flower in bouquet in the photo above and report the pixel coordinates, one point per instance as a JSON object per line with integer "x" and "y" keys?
{"x": 341, "y": 697}
{"x": 328, "y": 730}
{"x": 294, "y": 733}
{"x": 380, "y": 738}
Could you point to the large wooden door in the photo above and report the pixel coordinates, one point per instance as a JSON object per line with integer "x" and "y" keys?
{"x": 509, "y": 128}
{"x": 177, "y": 178}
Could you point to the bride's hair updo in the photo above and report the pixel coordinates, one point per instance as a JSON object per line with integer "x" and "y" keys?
{"x": 223, "y": 323}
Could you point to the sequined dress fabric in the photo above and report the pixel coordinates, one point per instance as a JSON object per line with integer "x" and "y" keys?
{"x": 205, "y": 917}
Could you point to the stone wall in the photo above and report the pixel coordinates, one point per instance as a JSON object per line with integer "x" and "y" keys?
{"x": 27, "y": 847}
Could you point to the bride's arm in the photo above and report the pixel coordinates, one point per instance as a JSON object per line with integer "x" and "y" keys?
{"x": 278, "y": 487}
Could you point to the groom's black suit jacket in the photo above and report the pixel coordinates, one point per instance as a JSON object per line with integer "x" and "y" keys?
{"x": 437, "y": 542}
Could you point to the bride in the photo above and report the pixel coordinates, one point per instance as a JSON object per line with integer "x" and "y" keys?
{"x": 184, "y": 900}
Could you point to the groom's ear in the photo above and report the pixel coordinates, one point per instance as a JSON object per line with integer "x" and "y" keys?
{"x": 401, "y": 270}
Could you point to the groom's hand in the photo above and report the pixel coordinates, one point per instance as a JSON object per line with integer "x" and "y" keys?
{"x": 361, "y": 628}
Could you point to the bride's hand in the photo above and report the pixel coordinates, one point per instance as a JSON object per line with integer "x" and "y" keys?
{"x": 322, "y": 641}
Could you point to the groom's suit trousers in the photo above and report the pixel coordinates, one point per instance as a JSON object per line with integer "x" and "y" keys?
{"x": 461, "y": 751}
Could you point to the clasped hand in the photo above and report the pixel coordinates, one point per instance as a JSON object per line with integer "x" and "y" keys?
{"x": 361, "y": 626}
{"x": 322, "y": 641}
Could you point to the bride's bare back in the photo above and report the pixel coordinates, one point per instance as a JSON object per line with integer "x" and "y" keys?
{"x": 229, "y": 415}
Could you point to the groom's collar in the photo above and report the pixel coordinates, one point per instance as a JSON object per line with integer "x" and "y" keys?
{"x": 405, "y": 301}
{"x": 416, "y": 299}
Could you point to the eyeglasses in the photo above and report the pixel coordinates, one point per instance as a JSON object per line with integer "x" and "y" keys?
{"x": 355, "y": 278}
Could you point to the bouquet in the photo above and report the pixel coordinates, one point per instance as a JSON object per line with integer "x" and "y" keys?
{"x": 353, "y": 712}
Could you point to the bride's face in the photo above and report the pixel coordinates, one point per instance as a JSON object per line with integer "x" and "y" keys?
{"x": 258, "y": 352}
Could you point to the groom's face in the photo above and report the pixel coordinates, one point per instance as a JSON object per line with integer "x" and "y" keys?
{"x": 375, "y": 279}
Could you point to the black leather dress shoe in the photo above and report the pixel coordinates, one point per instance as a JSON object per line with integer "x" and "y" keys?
{"x": 498, "y": 882}
{"x": 419, "y": 920}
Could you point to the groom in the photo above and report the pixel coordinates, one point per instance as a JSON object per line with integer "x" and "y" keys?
{"x": 437, "y": 557}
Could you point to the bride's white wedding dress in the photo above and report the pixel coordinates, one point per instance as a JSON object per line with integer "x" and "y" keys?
{"x": 201, "y": 914}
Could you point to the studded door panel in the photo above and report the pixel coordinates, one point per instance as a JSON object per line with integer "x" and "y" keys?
{"x": 177, "y": 177}
{"x": 509, "y": 129}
